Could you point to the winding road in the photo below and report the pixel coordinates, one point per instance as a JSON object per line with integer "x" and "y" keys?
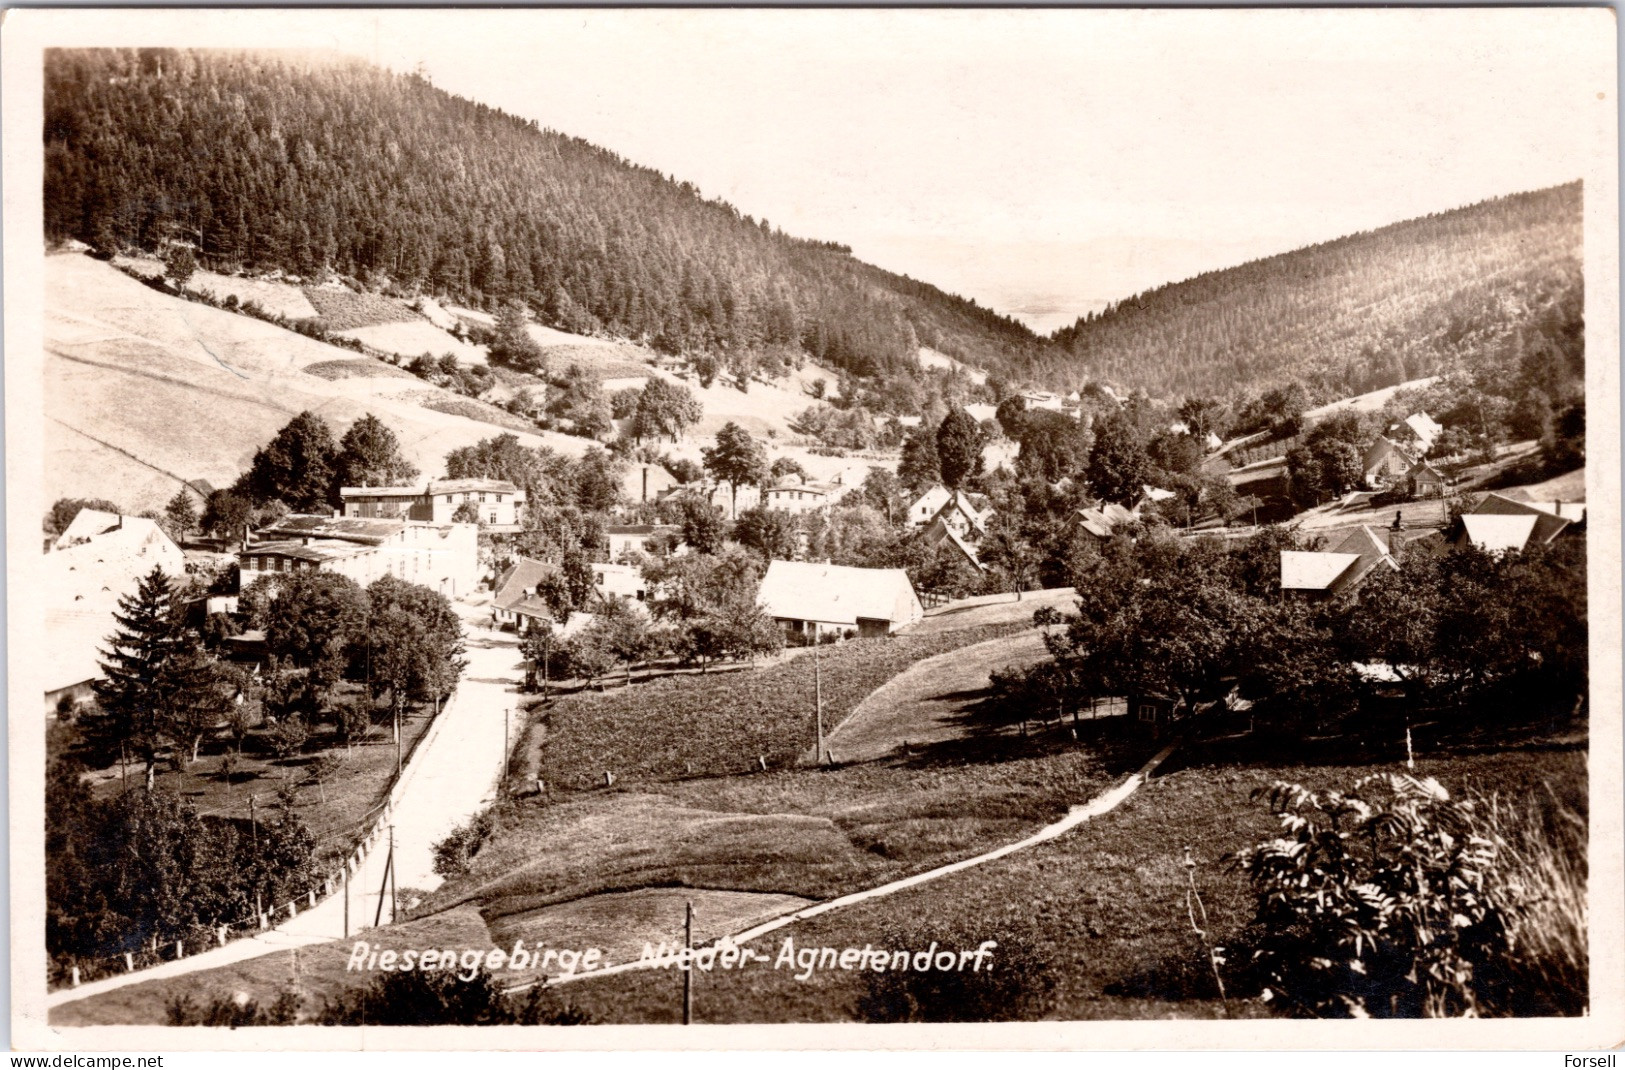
{"x": 452, "y": 775}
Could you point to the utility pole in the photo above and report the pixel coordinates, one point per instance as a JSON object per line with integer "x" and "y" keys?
{"x": 394, "y": 898}
{"x": 688, "y": 963}
{"x": 346, "y": 899}
{"x": 818, "y": 701}
{"x": 505, "y": 761}
{"x": 389, "y": 864}
{"x": 397, "y": 724}
{"x": 254, "y": 820}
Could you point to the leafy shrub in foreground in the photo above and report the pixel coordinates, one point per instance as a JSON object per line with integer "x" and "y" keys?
{"x": 1395, "y": 900}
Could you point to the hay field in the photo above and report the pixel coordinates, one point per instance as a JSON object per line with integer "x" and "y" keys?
{"x": 144, "y": 391}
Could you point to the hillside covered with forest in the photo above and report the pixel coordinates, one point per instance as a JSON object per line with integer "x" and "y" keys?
{"x": 1346, "y": 316}
{"x": 314, "y": 165}
{"x": 305, "y": 161}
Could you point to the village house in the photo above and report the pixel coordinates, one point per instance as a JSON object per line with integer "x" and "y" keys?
{"x": 925, "y": 507}
{"x": 1041, "y": 399}
{"x": 442, "y": 557}
{"x": 619, "y": 581}
{"x": 625, "y": 539}
{"x": 100, "y": 558}
{"x": 1315, "y": 574}
{"x": 497, "y": 501}
{"x": 938, "y": 533}
{"x": 1384, "y": 463}
{"x": 965, "y": 514}
{"x": 1426, "y": 481}
{"x": 515, "y": 599}
{"x": 1418, "y": 430}
{"x": 1497, "y": 522}
{"x": 803, "y": 497}
{"x": 811, "y": 600}
{"x": 1100, "y": 521}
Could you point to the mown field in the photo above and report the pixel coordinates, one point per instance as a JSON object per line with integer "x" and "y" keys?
{"x": 720, "y": 724}
{"x": 1093, "y": 924}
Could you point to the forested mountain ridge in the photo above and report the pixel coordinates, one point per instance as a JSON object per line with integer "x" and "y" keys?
{"x": 1361, "y": 312}
{"x": 305, "y": 161}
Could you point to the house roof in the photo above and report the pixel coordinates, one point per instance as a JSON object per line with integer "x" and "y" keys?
{"x": 975, "y": 507}
{"x": 317, "y": 550}
{"x": 455, "y": 486}
{"x": 380, "y": 492}
{"x": 1303, "y": 570}
{"x": 939, "y": 532}
{"x": 837, "y": 594}
{"x": 1497, "y": 531}
{"x": 349, "y": 528}
{"x": 519, "y": 582}
{"x": 1424, "y": 427}
{"x": 1381, "y": 450}
{"x": 1550, "y": 519}
{"x": 99, "y": 560}
{"x": 1362, "y": 540}
{"x": 88, "y": 524}
{"x": 1372, "y": 549}
{"x": 1422, "y": 468}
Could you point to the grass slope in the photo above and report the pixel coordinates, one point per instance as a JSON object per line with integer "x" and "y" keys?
{"x": 144, "y": 391}
{"x": 1095, "y": 921}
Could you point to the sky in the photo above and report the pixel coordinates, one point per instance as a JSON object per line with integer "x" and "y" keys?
{"x": 1045, "y": 162}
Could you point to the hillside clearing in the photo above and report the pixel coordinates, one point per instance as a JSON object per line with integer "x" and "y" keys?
{"x": 345, "y": 310}
{"x": 931, "y": 701}
{"x": 413, "y": 339}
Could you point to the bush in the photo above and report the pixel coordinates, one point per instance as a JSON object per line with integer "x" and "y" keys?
{"x": 287, "y": 737}
{"x": 1394, "y": 900}
{"x": 454, "y": 855}
{"x": 233, "y": 1011}
{"x": 442, "y": 998}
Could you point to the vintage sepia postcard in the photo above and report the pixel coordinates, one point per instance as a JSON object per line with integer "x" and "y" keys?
{"x": 586, "y": 528}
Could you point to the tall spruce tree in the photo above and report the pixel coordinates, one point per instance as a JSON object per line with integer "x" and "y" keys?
{"x": 136, "y": 691}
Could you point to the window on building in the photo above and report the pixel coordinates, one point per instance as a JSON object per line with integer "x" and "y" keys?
{"x": 482, "y": 497}
{"x": 1148, "y": 712}
{"x": 448, "y": 499}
